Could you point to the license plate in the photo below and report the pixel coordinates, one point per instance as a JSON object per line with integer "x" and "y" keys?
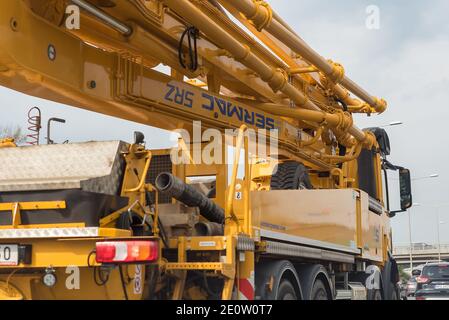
{"x": 9, "y": 255}
{"x": 442, "y": 286}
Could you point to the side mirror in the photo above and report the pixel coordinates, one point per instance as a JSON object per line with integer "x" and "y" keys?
{"x": 405, "y": 188}
{"x": 416, "y": 273}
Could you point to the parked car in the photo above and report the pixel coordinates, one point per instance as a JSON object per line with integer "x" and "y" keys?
{"x": 433, "y": 282}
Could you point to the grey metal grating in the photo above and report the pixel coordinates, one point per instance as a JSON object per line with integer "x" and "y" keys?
{"x": 161, "y": 163}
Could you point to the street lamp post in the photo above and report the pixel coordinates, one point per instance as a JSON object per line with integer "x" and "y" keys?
{"x": 410, "y": 234}
{"x": 410, "y": 239}
{"x": 392, "y": 124}
{"x": 432, "y": 176}
{"x": 438, "y": 235}
{"x": 439, "y": 223}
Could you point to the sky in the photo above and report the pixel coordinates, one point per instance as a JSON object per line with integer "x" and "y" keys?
{"x": 404, "y": 61}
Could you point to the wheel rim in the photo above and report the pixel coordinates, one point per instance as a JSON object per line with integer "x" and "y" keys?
{"x": 289, "y": 296}
{"x": 286, "y": 291}
{"x": 320, "y": 295}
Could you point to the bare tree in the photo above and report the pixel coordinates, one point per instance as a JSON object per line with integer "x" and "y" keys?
{"x": 13, "y": 132}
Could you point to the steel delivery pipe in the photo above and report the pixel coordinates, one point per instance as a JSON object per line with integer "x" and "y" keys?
{"x": 106, "y": 18}
{"x": 275, "y": 78}
{"x": 262, "y": 16}
{"x": 334, "y": 120}
{"x": 204, "y": 228}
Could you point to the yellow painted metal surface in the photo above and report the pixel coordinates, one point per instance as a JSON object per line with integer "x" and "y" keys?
{"x": 34, "y": 205}
{"x": 72, "y": 260}
{"x": 31, "y": 287}
{"x": 64, "y": 251}
{"x": 7, "y": 143}
{"x": 239, "y": 83}
{"x": 9, "y": 292}
{"x": 329, "y": 217}
{"x": 321, "y": 215}
{"x": 374, "y": 228}
{"x": 112, "y": 74}
{"x": 44, "y": 226}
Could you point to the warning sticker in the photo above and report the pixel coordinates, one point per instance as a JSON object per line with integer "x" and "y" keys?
{"x": 207, "y": 244}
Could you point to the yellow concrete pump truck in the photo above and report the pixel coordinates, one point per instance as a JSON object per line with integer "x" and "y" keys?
{"x": 300, "y": 212}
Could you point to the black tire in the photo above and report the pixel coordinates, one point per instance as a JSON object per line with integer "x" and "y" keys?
{"x": 319, "y": 291}
{"x": 286, "y": 291}
{"x": 290, "y": 176}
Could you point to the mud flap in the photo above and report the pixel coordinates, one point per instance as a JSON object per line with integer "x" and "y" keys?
{"x": 390, "y": 278}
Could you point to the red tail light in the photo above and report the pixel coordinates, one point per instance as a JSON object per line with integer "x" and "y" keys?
{"x": 420, "y": 298}
{"x": 127, "y": 251}
{"x": 422, "y": 279}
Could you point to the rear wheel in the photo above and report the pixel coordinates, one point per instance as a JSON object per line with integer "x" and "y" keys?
{"x": 319, "y": 291}
{"x": 290, "y": 176}
{"x": 286, "y": 291}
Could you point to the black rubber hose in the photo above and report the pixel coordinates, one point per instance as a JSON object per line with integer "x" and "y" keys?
{"x": 344, "y": 105}
{"x": 204, "y": 229}
{"x": 170, "y": 185}
{"x": 341, "y": 147}
{"x": 192, "y": 35}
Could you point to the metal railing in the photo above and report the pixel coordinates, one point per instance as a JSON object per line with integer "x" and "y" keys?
{"x": 421, "y": 249}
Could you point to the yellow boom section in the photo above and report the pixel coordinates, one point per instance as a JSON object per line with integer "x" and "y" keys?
{"x": 264, "y": 75}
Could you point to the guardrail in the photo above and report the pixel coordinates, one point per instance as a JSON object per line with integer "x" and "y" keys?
{"x": 420, "y": 249}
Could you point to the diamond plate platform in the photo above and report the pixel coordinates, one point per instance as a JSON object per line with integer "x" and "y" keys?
{"x": 92, "y": 166}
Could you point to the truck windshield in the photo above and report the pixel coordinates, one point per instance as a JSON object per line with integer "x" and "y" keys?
{"x": 441, "y": 271}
